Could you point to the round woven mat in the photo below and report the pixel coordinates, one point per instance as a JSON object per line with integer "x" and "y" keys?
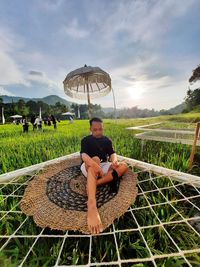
{"x": 56, "y": 198}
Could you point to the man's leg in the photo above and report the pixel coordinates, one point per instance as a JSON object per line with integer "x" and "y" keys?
{"x": 93, "y": 218}
{"x": 97, "y": 160}
{"x": 121, "y": 169}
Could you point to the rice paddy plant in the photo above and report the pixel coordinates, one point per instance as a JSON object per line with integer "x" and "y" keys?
{"x": 131, "y": 244}
{"x": 19, "y": 150}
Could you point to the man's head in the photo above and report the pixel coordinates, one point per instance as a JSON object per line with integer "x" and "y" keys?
{"x": 96, "y": 127}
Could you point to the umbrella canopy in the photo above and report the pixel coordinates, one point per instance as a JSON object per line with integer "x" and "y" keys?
{"x": 87, "y": 82}
{"x": 87, "y": 79}
{"x": 68, "y": 113}
{"x": 16, "y": 116}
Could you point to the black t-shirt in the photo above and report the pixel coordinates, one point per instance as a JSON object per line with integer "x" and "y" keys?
{"x": 101, "y": 147}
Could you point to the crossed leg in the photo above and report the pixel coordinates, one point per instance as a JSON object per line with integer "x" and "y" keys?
{"x": 120, "y": 169}
{"x": 93, "y": 217}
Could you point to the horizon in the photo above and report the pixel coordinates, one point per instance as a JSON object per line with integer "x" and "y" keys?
{"x": 148, "y": 48}
{"x": 104, "y": 107}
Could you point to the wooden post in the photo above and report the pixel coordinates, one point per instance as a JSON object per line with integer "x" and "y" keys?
{"x": 194, "y": 145}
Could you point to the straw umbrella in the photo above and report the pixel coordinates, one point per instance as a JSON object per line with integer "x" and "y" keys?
{"x": 16, "y": 116}
{"x": 87, "y": 83}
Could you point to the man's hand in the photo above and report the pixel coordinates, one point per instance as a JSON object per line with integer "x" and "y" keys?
{"x": 115, "y": 164}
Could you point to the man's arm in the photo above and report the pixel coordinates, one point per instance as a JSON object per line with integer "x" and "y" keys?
{"x": 114, "y": 160}
{"x": 113, "y": 157}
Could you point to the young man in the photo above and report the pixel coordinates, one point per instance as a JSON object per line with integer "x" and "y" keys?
{"x": 96, "y": 150}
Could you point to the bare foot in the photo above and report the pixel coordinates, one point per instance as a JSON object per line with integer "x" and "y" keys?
{"x": 93, "y": 218}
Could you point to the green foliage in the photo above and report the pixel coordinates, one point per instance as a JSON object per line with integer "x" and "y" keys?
{"x": 192, "y": 99}
{"x": 20, "y": 150}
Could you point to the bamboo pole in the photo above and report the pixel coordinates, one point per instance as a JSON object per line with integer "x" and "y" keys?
{"x": 115, "y": 111}
{"x": 196, "y": 136}
{"x": 88, "y": 98}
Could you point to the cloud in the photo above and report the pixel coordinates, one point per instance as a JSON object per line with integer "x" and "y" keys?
{"x": 135, "y": 41}
{"x": 35, "y": 73}
{"x": 39, "y": 77}
{"x": 10, "y": 72}
{"x": 140, "y": 83}
{"x": 5, "y": 92}
{"x": 74, "y": 30}
{"x": 51, "y": 5}
{"x": 136, "y": 21}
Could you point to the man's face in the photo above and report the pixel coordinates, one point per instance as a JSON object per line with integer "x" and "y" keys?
{"x": 97, "y": 129}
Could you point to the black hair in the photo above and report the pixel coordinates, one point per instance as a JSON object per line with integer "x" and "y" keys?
{"x": 95, "y": 120}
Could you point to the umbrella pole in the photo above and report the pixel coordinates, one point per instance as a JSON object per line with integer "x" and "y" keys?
{"x": 115, "y": 115}
{"x": 89, "y": 104}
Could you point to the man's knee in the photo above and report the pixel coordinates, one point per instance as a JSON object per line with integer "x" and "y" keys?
{"x": 122, "y": 168}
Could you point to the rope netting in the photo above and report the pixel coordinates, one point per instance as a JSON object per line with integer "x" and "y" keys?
{"x": 182, "y": 136}
{"x": 172, "y": 137}
{"x": 162, "y": 227}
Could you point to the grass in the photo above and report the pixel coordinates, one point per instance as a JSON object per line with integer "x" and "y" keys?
{"x": 130, "y": 240}
{"x": 19, "y": 150}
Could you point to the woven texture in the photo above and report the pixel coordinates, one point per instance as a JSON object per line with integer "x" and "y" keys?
{"x": 87, "y": 80}
{"x": 56, "y": 198}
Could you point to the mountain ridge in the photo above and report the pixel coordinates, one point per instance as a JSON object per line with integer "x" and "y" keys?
{"x": 52, "y": 99}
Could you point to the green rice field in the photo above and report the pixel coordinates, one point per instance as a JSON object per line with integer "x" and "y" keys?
{"x": 164, "y": 220}
{"x": 20, "y": 149}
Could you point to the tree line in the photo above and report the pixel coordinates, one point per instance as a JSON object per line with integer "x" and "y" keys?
{"x": 30, "y": 108}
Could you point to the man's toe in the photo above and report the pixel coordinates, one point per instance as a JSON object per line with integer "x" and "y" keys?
{"x": 93, "y": 230}
{"x": 97, "y": 229}
{"x": 89, "y": 228}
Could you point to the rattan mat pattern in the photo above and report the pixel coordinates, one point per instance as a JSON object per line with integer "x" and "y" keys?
{"x": 56, "y": 197}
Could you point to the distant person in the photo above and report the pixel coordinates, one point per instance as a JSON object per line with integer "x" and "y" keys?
{"x": 49, "y": 121}
{"x": 45, "y": 121}
{"x": 33, "y": 122}
{"x": 25, "y": 124}
{"x": 38, "y": 123}
{"x": 53, "y": 121}
{"x": 71, "y": 120}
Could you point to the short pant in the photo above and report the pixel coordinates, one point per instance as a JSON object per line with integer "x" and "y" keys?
{"x": 104, "y": 166}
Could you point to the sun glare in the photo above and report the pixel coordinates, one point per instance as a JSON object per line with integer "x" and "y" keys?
{"x": 135, "y": 92}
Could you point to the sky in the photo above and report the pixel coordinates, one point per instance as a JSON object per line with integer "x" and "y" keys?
{"x": 148, "y": 47}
